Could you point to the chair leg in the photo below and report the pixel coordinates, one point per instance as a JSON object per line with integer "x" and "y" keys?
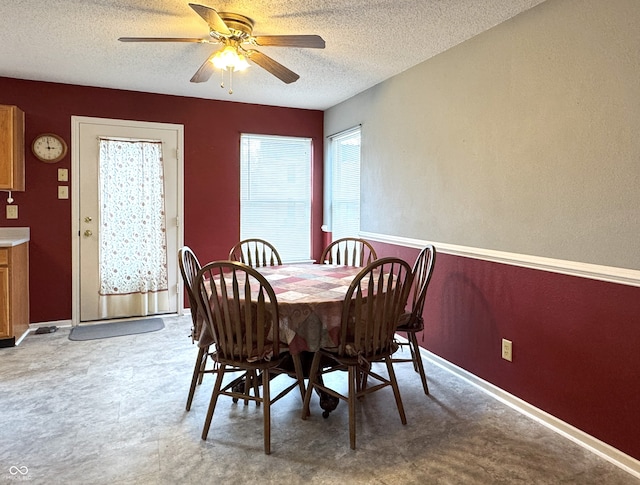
{"x": 417, "y": 361}
{"x": 266, "y": 397}
{"x": 214, "y": 399}
{"x": 363, "y": 377}
{"x": 313, "y": 376}
{"x": 297, "y": 365}
{"x": 256, "y": 386}
{"x": 249, "y": 382}
{"x": 396, "y": 390}
{"x": 353, "y": 385}
{"x": 197, "y": 375}
{"x": 203, "y": 363}
{"x": 413, "y": 353}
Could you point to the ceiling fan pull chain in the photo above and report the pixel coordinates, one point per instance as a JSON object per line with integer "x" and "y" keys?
{"x": 231, "y": 80}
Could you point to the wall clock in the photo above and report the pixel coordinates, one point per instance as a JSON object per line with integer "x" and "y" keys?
{"x": 49, "y": 148}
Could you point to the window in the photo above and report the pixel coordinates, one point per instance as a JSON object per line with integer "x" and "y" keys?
{"x": 275, "y": 193}
{"x": 344, "y": 180}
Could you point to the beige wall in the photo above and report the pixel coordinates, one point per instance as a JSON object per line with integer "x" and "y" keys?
{"x": 523, "y": 139}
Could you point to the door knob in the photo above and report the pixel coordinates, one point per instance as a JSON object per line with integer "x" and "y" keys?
{"x": 87, "y": 219}
{"x": 88, "y": 233}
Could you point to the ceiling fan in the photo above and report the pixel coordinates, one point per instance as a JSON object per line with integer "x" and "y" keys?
{"x": 235, "y": 33}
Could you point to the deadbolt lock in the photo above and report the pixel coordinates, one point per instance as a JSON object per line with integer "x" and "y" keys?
{"x": 88, "y": 233}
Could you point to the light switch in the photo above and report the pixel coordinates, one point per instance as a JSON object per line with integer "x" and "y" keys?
{"x": 63, "y": 175}
{"x": 63, "y": 192}
{"x": 12, "y": 211}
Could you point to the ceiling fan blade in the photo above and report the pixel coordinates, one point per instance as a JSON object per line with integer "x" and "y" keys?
{"x": 287, "y": 76}
{"x": 163, "y": 39}
{"x": 212, "y": 18}
{"x": 204, "y": 72}
{"x": 312, "y": 41}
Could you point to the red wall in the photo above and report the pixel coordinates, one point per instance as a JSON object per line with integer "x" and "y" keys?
{"x": 211, "y": 171}
{"x": 575, "y": 340}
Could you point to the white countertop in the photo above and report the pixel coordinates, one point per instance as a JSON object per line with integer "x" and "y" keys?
{"x": 12, "y": 236}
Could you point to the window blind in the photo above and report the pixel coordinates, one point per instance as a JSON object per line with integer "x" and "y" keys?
{"x": 275, "y": 193}
{"x": 345, "y": 184}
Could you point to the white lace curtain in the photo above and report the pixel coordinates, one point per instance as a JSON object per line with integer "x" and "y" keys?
{"x": 133, "y": 246}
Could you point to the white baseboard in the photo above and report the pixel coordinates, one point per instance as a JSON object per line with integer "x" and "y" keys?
{"x": 56, "y": 323}
{"x": 69, "y": 323}
{"x": 600, "y": 448}
{"x": 35, "y": 326}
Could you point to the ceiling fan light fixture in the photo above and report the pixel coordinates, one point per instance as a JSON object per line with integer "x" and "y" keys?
{"x": 230, "y": 59}
{"x": 242, "y": 63}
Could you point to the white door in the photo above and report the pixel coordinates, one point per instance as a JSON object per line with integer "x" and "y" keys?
{"x": 86, "y": 215}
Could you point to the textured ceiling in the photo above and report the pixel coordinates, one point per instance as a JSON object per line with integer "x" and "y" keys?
{"x": 367, "y": 41}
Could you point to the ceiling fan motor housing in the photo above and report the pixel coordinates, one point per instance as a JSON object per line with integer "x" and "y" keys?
{"x": 240, "y": 25}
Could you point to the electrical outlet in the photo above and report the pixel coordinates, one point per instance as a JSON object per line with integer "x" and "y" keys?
{"x": 507, "y": 350}
{"x": 12, "y": 211}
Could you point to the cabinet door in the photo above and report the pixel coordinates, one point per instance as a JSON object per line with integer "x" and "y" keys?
{"x": 4, "y": 302}
{"x": 11, "y": 148}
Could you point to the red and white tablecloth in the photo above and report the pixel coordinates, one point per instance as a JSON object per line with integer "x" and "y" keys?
{"x": 310, "y": 300}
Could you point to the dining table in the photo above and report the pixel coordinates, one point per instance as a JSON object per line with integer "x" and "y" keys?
{"x": 310, "y": 299}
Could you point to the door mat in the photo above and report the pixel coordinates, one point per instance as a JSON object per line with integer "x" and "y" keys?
{"x": 115, "y": 329}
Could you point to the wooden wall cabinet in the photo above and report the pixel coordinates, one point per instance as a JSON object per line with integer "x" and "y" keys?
{"x": 11, "y": 148}
{"x": 14, "y": 293}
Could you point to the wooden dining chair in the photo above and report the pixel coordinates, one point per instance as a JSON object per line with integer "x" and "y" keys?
{"x": 349, "y": 251}
{"x": 189, "y": 267}
{"x": 370, "y": 311}
{"x": 255, "y": 253}
{"x": 412, "y": 322}
{"x": 241, "y": 311}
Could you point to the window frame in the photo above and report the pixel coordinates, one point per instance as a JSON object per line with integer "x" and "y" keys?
{"x": 330, "y": 175}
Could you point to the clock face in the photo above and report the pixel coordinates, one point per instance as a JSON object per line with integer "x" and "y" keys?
{"x": 49, "y": 148}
